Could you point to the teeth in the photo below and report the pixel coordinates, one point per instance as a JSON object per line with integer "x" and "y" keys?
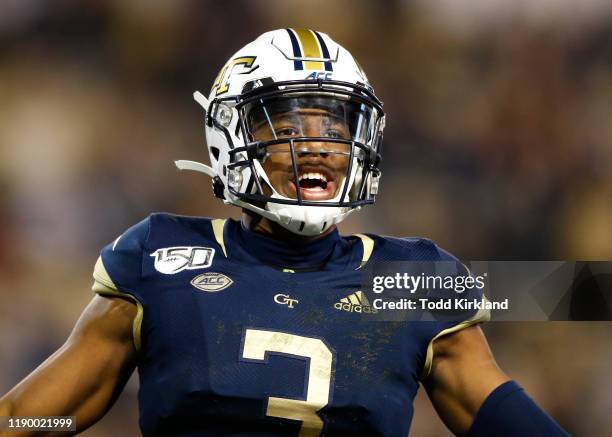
{"x": 312, "y": 176}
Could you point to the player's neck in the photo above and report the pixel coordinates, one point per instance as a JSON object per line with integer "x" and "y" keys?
{"x": 256, "y": 223}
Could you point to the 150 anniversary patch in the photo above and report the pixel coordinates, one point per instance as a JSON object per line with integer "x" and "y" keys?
{"x": 172, "y": 260}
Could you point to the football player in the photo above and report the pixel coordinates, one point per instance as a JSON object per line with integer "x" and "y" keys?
{"x": 260, "y": 326}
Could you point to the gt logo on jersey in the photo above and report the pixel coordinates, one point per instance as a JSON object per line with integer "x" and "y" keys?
{"x": 171, "y": 260}
{"x": 285, "y": 299}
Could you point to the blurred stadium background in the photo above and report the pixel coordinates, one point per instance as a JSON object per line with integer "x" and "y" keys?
{"x": 498, "y": 146}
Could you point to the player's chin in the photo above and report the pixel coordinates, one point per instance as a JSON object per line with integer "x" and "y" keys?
{"x": 317, "y": 193}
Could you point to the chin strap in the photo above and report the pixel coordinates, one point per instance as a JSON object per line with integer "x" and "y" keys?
{"x": 183, "y": 164}
{"x": 194, "y": 165}
{"x": 203, "y": 101}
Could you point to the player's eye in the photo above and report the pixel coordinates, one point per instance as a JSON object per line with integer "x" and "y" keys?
{"x": 286, "y": 132}
{"x": 336, "y": 134}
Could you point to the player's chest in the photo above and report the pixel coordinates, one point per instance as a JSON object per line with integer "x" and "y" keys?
{"x": 289, "y": 344}
{"x": 240, "y": 291}
{"x": 219, "y": 318}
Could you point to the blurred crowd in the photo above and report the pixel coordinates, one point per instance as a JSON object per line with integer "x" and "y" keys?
{"x": 498, "y": 146}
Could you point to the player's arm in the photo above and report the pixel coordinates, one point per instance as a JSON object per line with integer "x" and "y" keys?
{"x": 474, "y": 397}
{"x": 84, "y": 376}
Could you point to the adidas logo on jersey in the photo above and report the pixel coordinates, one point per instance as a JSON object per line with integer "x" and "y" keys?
{"x": 356, "y": 302}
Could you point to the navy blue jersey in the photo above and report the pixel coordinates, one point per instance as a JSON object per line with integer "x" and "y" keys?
{"x": 239, "y": 334}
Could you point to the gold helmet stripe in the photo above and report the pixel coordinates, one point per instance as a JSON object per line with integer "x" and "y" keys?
{"x": 310, "y": 48}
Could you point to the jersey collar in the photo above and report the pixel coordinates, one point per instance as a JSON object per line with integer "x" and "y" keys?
{"x": 313, "y": 255}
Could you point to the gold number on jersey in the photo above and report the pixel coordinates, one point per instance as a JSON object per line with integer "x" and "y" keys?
{"x": 257, "y": 342}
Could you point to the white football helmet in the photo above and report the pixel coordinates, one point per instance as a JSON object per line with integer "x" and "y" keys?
{"x": 294, "y": 131}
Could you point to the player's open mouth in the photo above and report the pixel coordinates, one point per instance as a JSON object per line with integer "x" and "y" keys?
{"x": 315, "y": 184}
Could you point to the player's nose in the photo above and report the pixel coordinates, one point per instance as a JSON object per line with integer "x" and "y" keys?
{"x": 311, "y": 151}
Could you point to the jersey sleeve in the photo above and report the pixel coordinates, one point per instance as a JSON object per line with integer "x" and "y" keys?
{"x": 118, "y": 270}
{"x": 417, "y": 256}
{"x": 457, "y": 321}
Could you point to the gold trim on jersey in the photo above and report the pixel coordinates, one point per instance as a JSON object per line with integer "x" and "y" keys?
{"x": 482, "y": 315}
{"x": 368, "y": 248}
{"x": 218, "y": 225}
{"x": 104, "y": 286}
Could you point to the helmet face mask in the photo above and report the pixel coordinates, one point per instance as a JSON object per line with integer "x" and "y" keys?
{"x": 300, "y": 148}
{"x": 288, "y": 136}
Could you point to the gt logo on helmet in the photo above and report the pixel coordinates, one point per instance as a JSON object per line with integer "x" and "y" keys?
{"x": 221, "y": 83}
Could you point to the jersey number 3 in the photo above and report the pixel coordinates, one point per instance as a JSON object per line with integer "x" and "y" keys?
{"x": 258, "y": 342}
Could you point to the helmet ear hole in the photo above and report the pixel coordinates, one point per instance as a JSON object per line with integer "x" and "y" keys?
{"x": 215, "y": 152}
